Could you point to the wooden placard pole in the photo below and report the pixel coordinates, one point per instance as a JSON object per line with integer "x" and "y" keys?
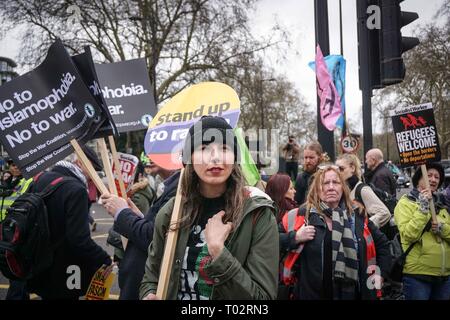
{"x": 88, "y": 165}
{"x": 427, "y": 186}
{"x": 115, "y": 157}
{"x": 171, "y": 242}
{"x": 123, "y": 192}
{"x": 107, "y": 165}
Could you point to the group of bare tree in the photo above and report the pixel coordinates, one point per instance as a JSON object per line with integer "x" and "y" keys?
{"x": 183, "y": 41}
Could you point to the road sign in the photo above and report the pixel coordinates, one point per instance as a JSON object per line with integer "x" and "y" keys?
{"x": 349, "y": 144}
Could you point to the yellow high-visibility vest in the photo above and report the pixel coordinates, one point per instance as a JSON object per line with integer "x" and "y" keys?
{"x": 18, "y": 190}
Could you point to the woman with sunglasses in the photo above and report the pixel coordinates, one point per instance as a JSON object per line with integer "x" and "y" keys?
{"x": 346, "y": 256}
{"x": 350, "y": 169}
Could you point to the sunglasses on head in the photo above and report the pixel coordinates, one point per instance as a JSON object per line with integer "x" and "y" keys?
{"x": 323, "y": 167}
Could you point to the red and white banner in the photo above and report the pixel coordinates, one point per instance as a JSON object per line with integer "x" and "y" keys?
{"x": 128, "y": 165}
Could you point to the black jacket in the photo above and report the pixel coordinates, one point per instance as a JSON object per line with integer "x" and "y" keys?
{"x": 139, "y": 232}
{"x": 382, "y": 178}
{"x": 302, "y": 186}
{"x": 308, "y": 268}
{"x": 69, "y": 227}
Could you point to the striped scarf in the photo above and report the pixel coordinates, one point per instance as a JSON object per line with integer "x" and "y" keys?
{"x": 74, "y": 169}
{"x": 344, "y": 255}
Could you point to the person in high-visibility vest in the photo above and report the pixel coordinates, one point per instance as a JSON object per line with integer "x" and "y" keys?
{"x": 16, "y": 186}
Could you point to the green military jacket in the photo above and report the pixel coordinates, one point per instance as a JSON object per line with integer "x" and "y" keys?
{"x": 247, "y": 268}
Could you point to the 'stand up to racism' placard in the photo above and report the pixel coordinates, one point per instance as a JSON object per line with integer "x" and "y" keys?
{"x": 166, "y": 133}
{"x": 416, "y": 135}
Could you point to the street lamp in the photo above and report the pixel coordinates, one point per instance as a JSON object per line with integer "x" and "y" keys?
{"x": 261, "y": 100}
{"x": 386, "y": 121}
{"x": 7, "y": 73}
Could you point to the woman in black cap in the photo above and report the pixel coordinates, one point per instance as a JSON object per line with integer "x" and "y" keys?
{"x": 427, "y": 268}
{"x": 227, "y": 245}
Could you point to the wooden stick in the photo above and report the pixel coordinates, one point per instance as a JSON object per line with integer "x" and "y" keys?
{"x": 123, "y": 192}
{"x": 171, "y": 242}
{"x": 427, "y": 186}
{"x": 115, "y": 157}
{"x": 107, "y": 165}
{"x": 88, "y": 165}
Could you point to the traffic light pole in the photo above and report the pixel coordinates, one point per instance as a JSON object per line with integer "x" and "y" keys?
{"x": 325, "y": 137}
{"x": 380, "y": 49}
{"x": 365, "y": 85}
{"x": 367, "y": 120}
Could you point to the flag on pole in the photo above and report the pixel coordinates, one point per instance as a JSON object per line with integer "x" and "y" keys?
{"x": 330, "y": 101}
{"x": 336, "y": 67}
{"x": 248, "y": 166}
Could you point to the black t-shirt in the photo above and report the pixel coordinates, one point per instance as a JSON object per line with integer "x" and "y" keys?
{"x": 194, "y": 284}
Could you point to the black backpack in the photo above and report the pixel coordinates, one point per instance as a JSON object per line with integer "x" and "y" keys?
{"x": 25, "y": 246}
{"x": 399, "y": 256}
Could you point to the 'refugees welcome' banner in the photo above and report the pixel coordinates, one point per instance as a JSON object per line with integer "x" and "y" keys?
{"x": 416, "y": 135}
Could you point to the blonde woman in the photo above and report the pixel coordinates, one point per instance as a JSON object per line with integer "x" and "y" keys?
{"x": 350, "y": 169}
{"x": 344, "y": 248}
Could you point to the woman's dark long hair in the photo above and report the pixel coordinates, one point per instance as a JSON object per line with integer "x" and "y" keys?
{"x": 235, "y": 195}
{"x": 276, "y": 188}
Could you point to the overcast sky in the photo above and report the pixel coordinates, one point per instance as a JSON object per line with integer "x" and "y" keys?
{"x": 297, "y": 16}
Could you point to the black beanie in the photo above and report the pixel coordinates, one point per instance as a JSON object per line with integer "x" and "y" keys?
{"x": 435, "y": 165}
{"x": 207, "y": 130}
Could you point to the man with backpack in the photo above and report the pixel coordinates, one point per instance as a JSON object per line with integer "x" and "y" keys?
{"x": 378, "y": 174}
{"x": 76, "y": 257}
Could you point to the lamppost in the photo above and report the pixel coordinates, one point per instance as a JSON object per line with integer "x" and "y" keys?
{"x": 386, "y": 124}
{"x": 7, "y": 73}
{"x": 261, "y": 142}
{"x": 261, "y": 100}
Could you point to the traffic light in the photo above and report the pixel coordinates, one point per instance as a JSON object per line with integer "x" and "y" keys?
{"x": 391, "y": 42}
{"x": 369, "y": 25}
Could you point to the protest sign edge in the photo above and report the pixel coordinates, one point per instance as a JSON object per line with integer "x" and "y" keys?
{"x": 423, "y": 167}
{"x": 169, "y": 251}
{"x": 88, "y": 165}
{"x": 107, "y": 165}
